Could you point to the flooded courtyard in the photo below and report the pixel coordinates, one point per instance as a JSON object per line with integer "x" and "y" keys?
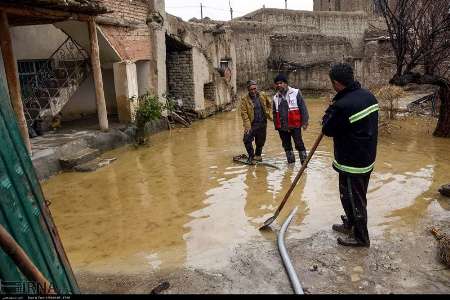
{"x": 180, "y": 206}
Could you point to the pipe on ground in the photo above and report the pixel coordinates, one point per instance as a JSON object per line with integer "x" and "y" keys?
{"x": 285, "y": 256}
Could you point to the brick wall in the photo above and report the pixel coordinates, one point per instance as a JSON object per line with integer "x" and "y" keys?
{"x": 132, "y": 11}
{"x": 209, "y": 91}
{"x": 131, "y": 43}
{"x": 180, "y": 77}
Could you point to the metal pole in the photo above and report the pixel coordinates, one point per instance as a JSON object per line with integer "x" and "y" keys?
{"x": 285, "y": 256}
{"x": 231, "y": 9}
{"x": 285, "y": 4}
{"x": 201, "y": 11}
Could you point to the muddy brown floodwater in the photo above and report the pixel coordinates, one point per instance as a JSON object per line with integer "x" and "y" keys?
{"x": 181, "y": 210}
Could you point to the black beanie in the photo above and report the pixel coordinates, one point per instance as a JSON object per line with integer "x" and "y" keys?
{"x": 280, "y": 77}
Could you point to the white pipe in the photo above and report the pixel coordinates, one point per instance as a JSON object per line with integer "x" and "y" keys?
{"x": 285, "y": 256}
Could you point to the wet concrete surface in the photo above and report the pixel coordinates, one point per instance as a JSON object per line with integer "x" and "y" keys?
{"x": 180, "y": 210}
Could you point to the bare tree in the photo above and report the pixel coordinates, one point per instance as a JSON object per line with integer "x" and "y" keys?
{"x": 419, "y": 32}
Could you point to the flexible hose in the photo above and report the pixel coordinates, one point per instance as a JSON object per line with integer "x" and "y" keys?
{"x": 285, "y": 256}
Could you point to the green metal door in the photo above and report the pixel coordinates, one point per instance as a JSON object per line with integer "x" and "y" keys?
{"x": 24, "y": 214}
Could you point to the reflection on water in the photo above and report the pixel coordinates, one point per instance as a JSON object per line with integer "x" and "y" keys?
{"x": 182, "y": 201}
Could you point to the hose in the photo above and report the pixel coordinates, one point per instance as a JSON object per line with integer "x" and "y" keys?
{"x": 295, "y": 282}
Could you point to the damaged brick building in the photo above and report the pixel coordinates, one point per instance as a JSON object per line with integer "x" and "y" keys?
{"x": 303, "y": 44}
{"x": 141, "y": 48}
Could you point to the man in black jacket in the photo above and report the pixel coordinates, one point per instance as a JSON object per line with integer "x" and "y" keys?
{"x": 352, "y": 121}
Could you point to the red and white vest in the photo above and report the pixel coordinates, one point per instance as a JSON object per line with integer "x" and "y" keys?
{"x": 294, "y": 115}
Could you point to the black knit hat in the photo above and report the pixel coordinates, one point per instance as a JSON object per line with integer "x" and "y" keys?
{"x": 280, "y": 77}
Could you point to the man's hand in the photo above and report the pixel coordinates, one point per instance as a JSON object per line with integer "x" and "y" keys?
{"x": 305, "y": 126}
{"x": 247, "y": 131}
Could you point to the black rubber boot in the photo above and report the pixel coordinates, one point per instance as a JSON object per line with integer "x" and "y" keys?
{"x": 290, "y": 157}
{"x": 303, "y": 156}
{"x": 352, "y": 242}
{"x": 344, "y": 228}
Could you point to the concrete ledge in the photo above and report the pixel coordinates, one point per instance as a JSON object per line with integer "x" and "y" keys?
{"x": 68, "y": 162}
{"x": 50, "y": 149}
{"x": 46, "y": 163}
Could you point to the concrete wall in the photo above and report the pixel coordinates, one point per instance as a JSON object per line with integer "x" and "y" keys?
{"x": 368, "y": 6}
{"x": 252, "y": 42}
{"x": 83, "y": 102}
{"x": 126, "y": 87}
{"x": 350, "y": 25}
{"x": 377, "y": 66}
{"x": 223, "y": 93}
{"x": 311, "y": 40}
{"x": 36, "y": 42}
{"x": 298, "y": 36}
{"x": 309, "y": 49}
{"x": 202, "y": 75}
{"x": 143, "y": 76}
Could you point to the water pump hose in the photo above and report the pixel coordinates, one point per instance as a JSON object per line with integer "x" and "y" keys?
{"x": 285, "y": 256}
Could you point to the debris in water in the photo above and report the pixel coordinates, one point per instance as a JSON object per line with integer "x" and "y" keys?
{"x": 444, "y": 245}
{"x": 161, "y": 287}
{"x": 445, "y": 190}
{"x": 314, "y": 268}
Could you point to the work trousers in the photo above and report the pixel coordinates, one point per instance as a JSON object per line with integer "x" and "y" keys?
{"x": 353, "y": 190}
{"x": 296, "y": 135}
{"x": 258, "y": 135}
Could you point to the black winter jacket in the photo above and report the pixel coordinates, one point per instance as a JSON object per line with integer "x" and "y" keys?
{"x": 352, "y": 120}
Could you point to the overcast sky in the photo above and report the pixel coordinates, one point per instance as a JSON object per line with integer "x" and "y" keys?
{"x": 220, "y": 10}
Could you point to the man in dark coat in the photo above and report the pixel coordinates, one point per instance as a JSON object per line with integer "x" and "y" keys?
{"x": 352, "y": 121}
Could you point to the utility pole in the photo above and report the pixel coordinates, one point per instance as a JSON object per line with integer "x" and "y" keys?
{"x": 285, "y": 4}
{"x": 231, "y": 9}
{"x": 201, "y": 11}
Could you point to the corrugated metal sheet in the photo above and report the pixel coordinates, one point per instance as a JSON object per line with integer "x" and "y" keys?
{"x": 23, "y": 212}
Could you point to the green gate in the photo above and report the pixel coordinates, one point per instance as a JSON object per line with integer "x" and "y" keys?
{"x": 24, "y": 214}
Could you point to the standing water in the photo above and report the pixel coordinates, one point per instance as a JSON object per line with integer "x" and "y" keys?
{"x": 182, "y": 202}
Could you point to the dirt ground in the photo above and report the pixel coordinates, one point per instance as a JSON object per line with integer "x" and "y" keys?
{"x": 398, "y": 264}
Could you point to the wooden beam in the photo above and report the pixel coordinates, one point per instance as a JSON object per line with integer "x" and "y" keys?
{"x": 97, "y": 72}
{"x": 28, "y": 11}
{"x": 12, "y": 77}
{"x": 23, "y": 262}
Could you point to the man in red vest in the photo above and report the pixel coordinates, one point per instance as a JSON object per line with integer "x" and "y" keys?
{"x": 290, "y": 115}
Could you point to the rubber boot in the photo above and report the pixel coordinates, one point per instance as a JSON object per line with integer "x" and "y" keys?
{"x": 250, "y": 160}
{"x": 303, "y": 156}
{"x": 344, "y": 228}
{"x": 290, "y": 157}
{"x": 258, "y": 156}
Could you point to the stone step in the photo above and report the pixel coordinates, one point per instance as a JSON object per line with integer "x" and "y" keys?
{"x": 94, "y": 165}
{"x": 78, "y": 158}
